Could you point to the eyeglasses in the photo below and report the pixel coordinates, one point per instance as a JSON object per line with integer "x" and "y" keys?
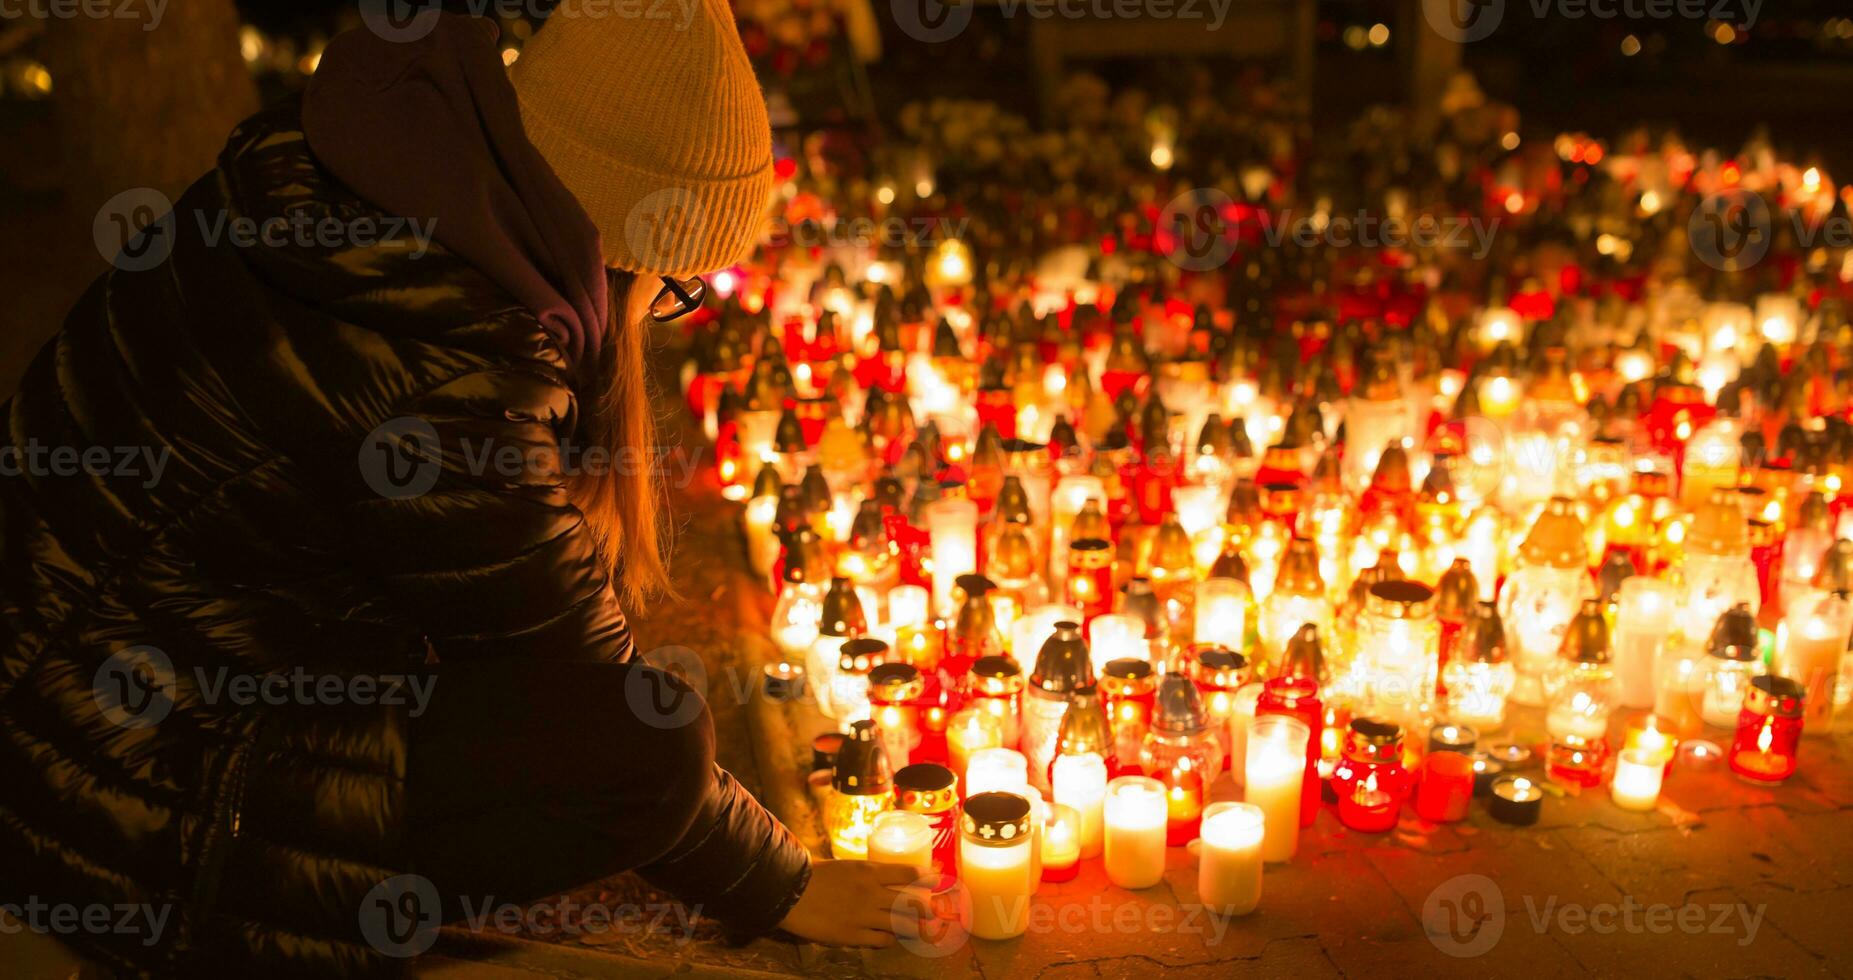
{"x": 678, "y": 298}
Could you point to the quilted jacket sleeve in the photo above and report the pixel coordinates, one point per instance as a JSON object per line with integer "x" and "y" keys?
{"x": 470, "y": 527}
{"x": 737, "y": 864}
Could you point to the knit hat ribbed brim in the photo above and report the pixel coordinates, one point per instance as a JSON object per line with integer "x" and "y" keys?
{"x": 657, "y": 126}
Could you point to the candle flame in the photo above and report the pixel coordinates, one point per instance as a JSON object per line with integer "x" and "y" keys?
{"x": 1763, "y": 740}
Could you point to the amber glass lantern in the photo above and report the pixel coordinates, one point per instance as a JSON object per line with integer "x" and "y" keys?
{"x": 1543, "y": 593}
{"x": 1127, "y": 689}
{"x": 863, "y": 788}
{"x": 1090, "y": 576}
{"x": 995, "y": 686}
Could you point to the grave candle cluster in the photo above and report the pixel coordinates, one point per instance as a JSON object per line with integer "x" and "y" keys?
{"x": 1103, "y": 549}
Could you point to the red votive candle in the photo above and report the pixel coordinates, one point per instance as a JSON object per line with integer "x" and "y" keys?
{"x": 1298, "y": 697}
{"x": 1769, "y": 730}
{"x": 1447, "y": 787}
{"x": 1370, "y": 782}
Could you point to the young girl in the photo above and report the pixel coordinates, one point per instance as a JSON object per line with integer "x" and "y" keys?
{"x": 330, "y": 671}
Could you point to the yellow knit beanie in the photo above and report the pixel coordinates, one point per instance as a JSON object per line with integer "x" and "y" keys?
{"x": 651, "y": 116}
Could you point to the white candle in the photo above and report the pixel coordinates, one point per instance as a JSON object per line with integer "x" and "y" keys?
{"x": 952, "y": 530}
{"x": 762, "y": 546}
{"x": 907, "y": 606}
{"x": 1135, "y": 831}
{"x": 998, "y": 878}
{"x": 1116, "y": 636}
{"x": 1198, "y": 507}
{"x": 971, "y": 730}
{"x": 1810, "y": 656}
{"x": 1222, "y": 612}
{"x": 1638, "y": 772}
{"x": 1643, "y": 617}
{"x": 900, "y": 837}
{"x": 1241, "y": 712}
{"x": 996, "y": 770}
{"x": 1229, "y": 859}
{"x": 1081, "y": 782}
{"x": 1276, "y": 774}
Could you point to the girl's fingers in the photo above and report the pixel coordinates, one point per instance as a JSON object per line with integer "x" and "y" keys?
{"x": 913, "y": 903}
{"x": 897, "y": 875}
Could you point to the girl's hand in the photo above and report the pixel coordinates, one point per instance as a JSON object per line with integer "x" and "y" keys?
{"x": 858, "y": 903}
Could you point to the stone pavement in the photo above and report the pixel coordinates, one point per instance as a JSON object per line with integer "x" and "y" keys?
{"x": 1724, "y": 880}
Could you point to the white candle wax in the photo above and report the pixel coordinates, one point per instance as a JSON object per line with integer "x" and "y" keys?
{"x": 1116, "y": 636}
{"x": 1229, "y": 859}
{"x": 1081, "y": 782}
{"x": 971, "y": 730}
{"x": 1636, "y": 785}
{"x": 995, "y": 770}
{"x": 1241, "y": 713}
{"x": 1135, "y": 831}
{"x": 1222, "y": 612}
{"x": 1811, "y": 657}
{"x": 999, "y": 882}
{"x": 952, "y": 534}
{"x": 1643, "y": 617}
{"x": 904, "y": 838}
{"x": 1276, "y": 768}
{"x": 907, "y": 606}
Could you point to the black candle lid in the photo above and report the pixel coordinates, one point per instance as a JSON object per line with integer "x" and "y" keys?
{"x": 995, "y": 819}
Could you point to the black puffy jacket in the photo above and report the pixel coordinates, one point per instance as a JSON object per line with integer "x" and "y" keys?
{"x": 256, "y": 378}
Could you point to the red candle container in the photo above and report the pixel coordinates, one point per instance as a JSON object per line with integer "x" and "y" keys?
{"x": 1298, "y": 697}
{"x": 1185, "y": 795}
{"x": 1218, "y": 673}
{"x": 1447, "y": 787}
{"x": 1769, "y": 730}
{"x": 1371, "y": 782}
{"x": 1090, "y": 577}
{"x": 995, "y": 685}
{"x": 1128, "y": 688}
{"x": 895, "y": 690}
{"x": 932, "y": 790}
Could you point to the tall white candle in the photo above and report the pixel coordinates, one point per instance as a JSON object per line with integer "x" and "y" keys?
{"x": 900, "y": 837}
{"x": 952, "y": 535}
{"x": 1638, "y": 773}
{"x": 1810, "y": 654}
{"x": 1135, "y": 831}
{"x": 1081, "y": 782}
{"x": 1116, "y": 636}
{"x": 1222, "y": 612}
{"x": 1276, "y": 774}
{"x": 1643, "y": 617}
{"x": 999, "y": 879}
{"x": 907, "y": 606}
{"x": 1229, "y": 859}
{"x": 1241, "y": 712}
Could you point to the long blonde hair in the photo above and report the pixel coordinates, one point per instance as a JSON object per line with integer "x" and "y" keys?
{"x": 622, "y": 501}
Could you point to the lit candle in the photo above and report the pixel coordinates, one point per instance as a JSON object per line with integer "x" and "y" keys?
{"x": 994, "y": 864}
{"x": 1643, "y": 618}
{"x": 1222, "y": 613}
{"x": 952, "y": 533}
{"x": 995, "y": 770}
{"x": 1515, "y": 800}
{"x": 1241, "y": 712}
{"x": 1033, "y": 629}
{"x": 907, "y": 606}
{"x": 1135, "y": 830}
{"x": 1447, "y": 787}
{"x": 1276, "y": 773}
{"x": 971, "y": 730}
{"x": 1061, "y": 843}
{"x": 1229, "y": 859}
{"x": 1768, "y": 730}
{"x": 1184, "y": 792}
{"x": 1080, "y": 782}
{"x": 1638, "y": 773}
{"x": 1116, "y": 636}
{"x": 904, "y": 838}
{"x": 1811, "y": 656}
{"x": 1651, "y": 738}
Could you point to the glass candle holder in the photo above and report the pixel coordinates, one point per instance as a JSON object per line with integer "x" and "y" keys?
{"x": 952, "y": 535}
{"x": 900, "y": 837}
{"x": 968, "y": 732}
{"x": 1061, "y": 843}
{"x": 1733, "y": 658}
{"x": 1229, "y": 861}
{"x": 995, "y": 685}
{"x": 1479, "y": 677}
{"x": 1812, "y": 650}
{"x": 1447, "y": 787}
{"x": 1219, "y": 673}
{"x": 1275, "y": 779}
{"x": 1221, "y": 613}
{"x": 1242, "y": 706}
{"x": 1769, "y": 730}
{"x": 1127, "y": 690}
{"x": 1135, "y": 813}
{"x": 1371, "y": 782}
{"x": 1080, "y": 781}
{"x": 1297, "y": 697}
{"x": 1643, "y": 618}
{"x": 1062, "y": 668}
{"x": 1033, "y": 629}
{"x": 849, "y": 686}
{"x": 995, "y": 864}
{"x": 894, "y": 694}
{"x": 1638, "y": 774}
{"x": 1090, "y": 576}
{"x": 862, "y": 787}
{"x": 1117, "y": 636}
{"x": 995, "y": 770}
{"x": 1398, "y": 646}
{"x": 932, "y": 791}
